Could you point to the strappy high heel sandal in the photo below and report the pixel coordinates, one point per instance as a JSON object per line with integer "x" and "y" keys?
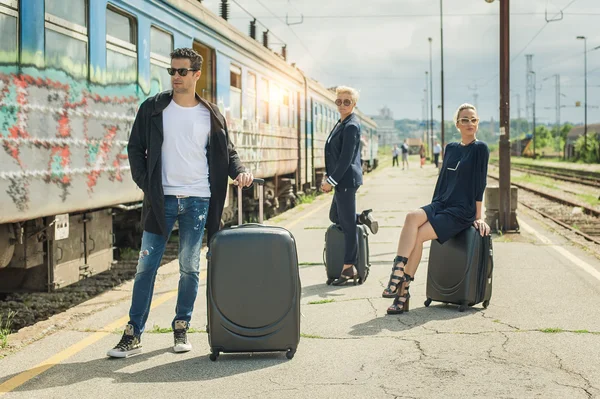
{"x": 347, "y": 275}
{"x": 401, "y": 301}
{"x": 392, "y": 288}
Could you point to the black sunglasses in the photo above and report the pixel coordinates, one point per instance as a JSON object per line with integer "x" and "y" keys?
{"x": 181, "y": 71}
{"x": 346, "y": 102}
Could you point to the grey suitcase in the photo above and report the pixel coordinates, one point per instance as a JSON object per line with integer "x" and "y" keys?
{"x": 460, "y": 270}
{"x": 253, "y": 288}
{"x": 333, "y": 254}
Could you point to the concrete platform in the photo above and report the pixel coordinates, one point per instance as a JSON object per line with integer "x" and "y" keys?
{"x": 539, "y": 338}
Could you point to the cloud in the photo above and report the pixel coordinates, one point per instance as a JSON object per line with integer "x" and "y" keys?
{"x": 387, "y": 56}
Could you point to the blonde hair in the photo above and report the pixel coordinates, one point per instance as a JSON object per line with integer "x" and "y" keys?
{"x": 462, "y": 108}
{"x": 348, "y": 90}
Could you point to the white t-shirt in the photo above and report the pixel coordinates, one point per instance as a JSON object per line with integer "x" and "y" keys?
{"x": 184, "y": 161}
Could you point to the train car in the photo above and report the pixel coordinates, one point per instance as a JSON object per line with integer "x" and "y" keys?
{"x": 72, "y": 75}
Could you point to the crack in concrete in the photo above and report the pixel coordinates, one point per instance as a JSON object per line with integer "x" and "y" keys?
{"x": 373, "y": 306}
{"x": 505, "y": 342}
{"x": 499, "y": 321}
{"x": 394, "y": 395}
{"x": 589, "y": 395}
{"x": 261, "y": 394}
{"x": 588, "y": 384}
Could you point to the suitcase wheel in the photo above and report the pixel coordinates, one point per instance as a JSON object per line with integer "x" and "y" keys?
{"x": 214, "y": 356}
{"x": 462, "y": 308}
{"x": 486, "y": 303}
{"x": 329, "y": 281}
{"x": 428, "y": 302}
{"x": 362, "y": 280}
{"x": 290, "y": 353}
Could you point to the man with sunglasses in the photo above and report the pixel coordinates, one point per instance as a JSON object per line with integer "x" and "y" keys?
{"x": 180, "y": 156}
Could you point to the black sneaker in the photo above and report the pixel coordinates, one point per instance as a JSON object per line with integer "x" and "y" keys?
{"x": 366, "y": 219}
{"x": 181, "y": 343}
{"x": 128, "y": 345}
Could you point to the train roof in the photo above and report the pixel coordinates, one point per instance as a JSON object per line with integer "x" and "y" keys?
{"x": 245, "y": 44}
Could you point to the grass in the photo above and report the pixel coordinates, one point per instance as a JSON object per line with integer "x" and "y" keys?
{"x": 312, "y": 336}
{"x": 310, "y": 263}
{"x": 322, "y": 301}
{"x": 537, "y": 180}
{"x": 552, "y": 330}
{"x": 162, "y": 330}
{"x": 590, "y": 199}
{"x": 306, "y": 198}
{"x": 128, "y": 254}
{"x": 5, "y": 328}
{"x": 560, "y": 330}
{"x": 315, "y": 228}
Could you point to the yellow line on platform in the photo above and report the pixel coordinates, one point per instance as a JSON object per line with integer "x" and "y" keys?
{"x": 586, "y": 267}
{"x": 63, "y": 355}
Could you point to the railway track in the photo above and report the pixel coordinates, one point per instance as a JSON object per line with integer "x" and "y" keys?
{"x": 33, "y": 307}
{"x": 579, "y": 218}
{"x": 583, "y": 177}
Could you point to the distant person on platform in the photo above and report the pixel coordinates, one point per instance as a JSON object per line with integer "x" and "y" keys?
{"x": 422, "y": 154}
{"x": 395, "y": 154}
{"x": 404, "y": 154}
{"x": 437, "y": 149}
{"x": 184, "y": 180}
{"x": 344, "y": 173}
{"x": 456, "y": 205}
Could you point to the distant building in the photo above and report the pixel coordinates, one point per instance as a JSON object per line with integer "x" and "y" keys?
{"x": 386, "y": 129}
{"x": 575, "y": 133}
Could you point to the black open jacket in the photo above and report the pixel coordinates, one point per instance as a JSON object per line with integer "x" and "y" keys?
{"x": 342, "y": 154}
{"x": 145, "y": 157}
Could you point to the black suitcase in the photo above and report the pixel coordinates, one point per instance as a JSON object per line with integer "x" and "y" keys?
{"x": 333, "y": 254}
{"x": 460, "y": 270}
{"x": 253, "y": 288}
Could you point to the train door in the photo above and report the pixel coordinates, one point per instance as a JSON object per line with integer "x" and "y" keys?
{"x": 310, "y": 159}
{"x": 205, "y": 87}
{"x": 300, "y": 170}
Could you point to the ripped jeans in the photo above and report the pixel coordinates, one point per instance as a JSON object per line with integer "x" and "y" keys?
{"x": 191, "y": 213}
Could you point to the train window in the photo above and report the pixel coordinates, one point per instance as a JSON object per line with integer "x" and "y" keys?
{"x": 264, "y": 101}
{"x": 320, "y": 124}
{"x": 66, "y": 36}
{"x": 251, "y": 97}
{"x": 294, "y": 113}
{"x": 285, "y": 108}
{"x": 275, "y": 102}
{"x": 161, "y": 46}
{"x": 9, "y": 16}
{"x": 235, "y": 91}
{"x": 121, "y": 47}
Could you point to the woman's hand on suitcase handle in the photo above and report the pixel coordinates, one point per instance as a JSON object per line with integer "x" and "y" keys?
{"x": 482, "y": 226}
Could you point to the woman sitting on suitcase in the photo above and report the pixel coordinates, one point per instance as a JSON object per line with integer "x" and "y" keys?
{"x": 344, "y": 172}
{"x": 456, "y": 205}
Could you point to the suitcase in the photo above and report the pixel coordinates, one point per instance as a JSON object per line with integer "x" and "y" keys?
{"x": 460, "y": 270}
{"x": 333, "y": 254}
{"x": 253, "y": 288}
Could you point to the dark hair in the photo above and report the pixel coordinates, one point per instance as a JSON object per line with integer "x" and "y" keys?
{"x": 190, "y": 54}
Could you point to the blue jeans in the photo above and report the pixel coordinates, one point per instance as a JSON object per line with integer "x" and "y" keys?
{"x": 191, "y": 213}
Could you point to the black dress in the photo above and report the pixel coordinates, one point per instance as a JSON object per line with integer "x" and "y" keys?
{"x": 460, "y": 185}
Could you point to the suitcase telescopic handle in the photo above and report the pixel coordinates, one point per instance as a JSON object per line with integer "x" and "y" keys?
{"x": 261, "y": 189}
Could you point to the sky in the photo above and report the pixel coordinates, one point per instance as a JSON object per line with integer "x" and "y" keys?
{"x": 381, "y": 48}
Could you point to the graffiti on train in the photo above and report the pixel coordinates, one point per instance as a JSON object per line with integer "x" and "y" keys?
{"x": 267, "y": 150}
{"x": 53, "y": 130}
